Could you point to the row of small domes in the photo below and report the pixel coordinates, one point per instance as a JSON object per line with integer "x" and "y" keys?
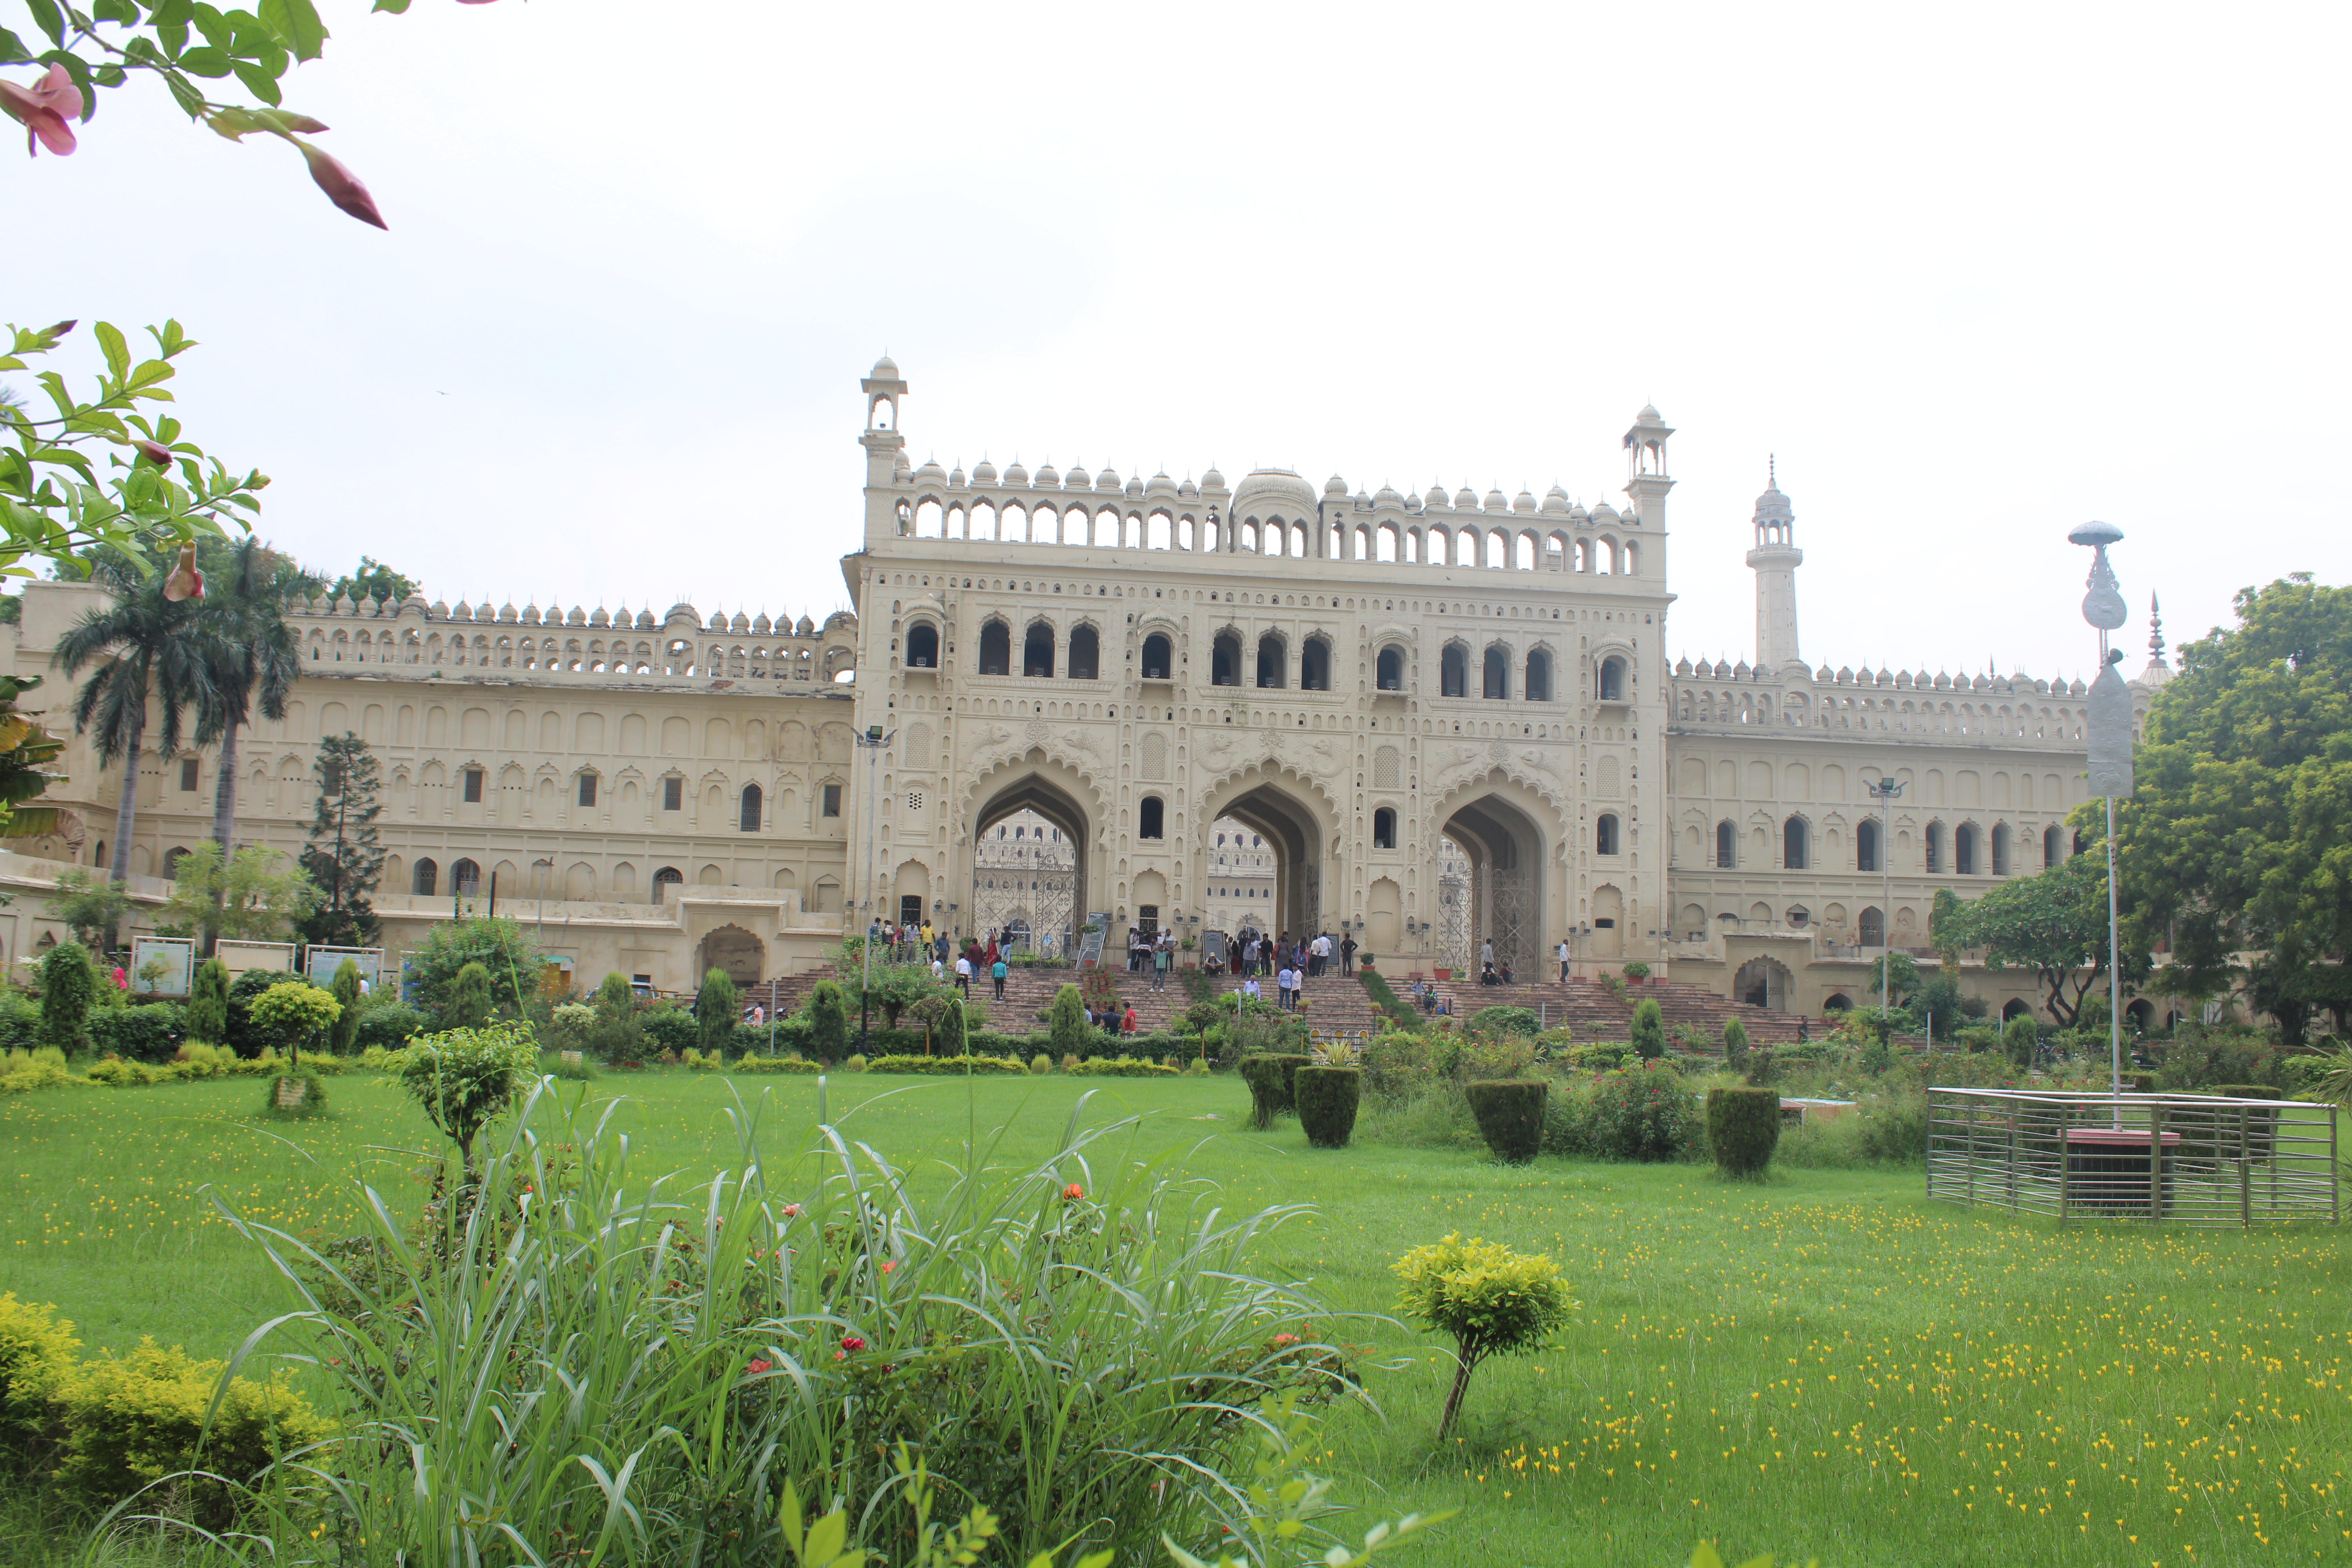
{"x": 1908, "y": 679}
{"x": 1262, "y": 481}
{"x": 529, "y": 615}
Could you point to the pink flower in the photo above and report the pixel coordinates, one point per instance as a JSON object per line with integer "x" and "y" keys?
{"x": 890, "y": 1266}
{"x": 44, "y": 108}
{"x": 185, "y": 582}
{"x": 1285, "y": 1339}
{"x": 1074, "y": 1192}
{"x": 851, "y": 1343}
{"x": 342, "y": 186}
{"x": 792, "y": 1211}
{"x": 753, "y": 1368}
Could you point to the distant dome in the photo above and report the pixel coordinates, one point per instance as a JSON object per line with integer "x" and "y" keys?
{"x": 1188, "y": 490}
{"x": 885, "y": 369}
{"x": 1076, "y": 480}
{"x": 1108, "y": 481}
{"x": 985, "y": 474}
{"x": 931, "y": 470}
{"x": 1278, "y": 490}
{"x": 1161, "y": 485}
{"x": 1046, "y": 479}
{"x": 1465, "y": 498}
{"x": 742, "y": 623}
{"x": 600, "y": 619}
{"x": 1494, "y": 501}
{"x": 682, "y": 609}
{"x": 805, "y": 627}
{"x": 507, "y": 611}
{"x": 1385, "y": 496}
{"x": 1016, "y": 474}
{"x": 1212, "y": 481}
{"x": 440, "y": 611}
{"x": 718, "y": 621}
{"x": 1523, "y": 501}
{"x": 761, "y": 625}
{"x": 1335, "y": 485}
{"x": 955, "y": 475}
{"x": 1555, "y": 500}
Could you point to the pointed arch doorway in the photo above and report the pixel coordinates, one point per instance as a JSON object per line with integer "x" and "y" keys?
{"x": 1297, "y": 828}
{"x": 1505, "y": 846}
{"x": 1052, "y": 791}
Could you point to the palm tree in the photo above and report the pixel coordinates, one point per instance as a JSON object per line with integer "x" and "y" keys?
{"x": 254, "y": 655}
{"x": 150, "y": 659}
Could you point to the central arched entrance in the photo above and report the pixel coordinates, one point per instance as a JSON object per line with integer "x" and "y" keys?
{"x": 1504, "y": 893}
{"x": 1039, "y": 792}
{"x": 1294, "y": 828}
{"x": 742, "y": 956}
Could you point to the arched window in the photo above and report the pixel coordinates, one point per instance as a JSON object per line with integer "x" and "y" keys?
{"x": 1964, "y": 849}
{"x": 1086, "y": 654}
{"x": 1037, "y": 650}
{"x": 1158, "y": 661}
{"x": 426, "y": 881}
{"x": 1934, "y": 848}
{"x": 1383, "y": 829}
{"x": 923, "y": 647}
{"x": 1314, "y": 666}
{"x": 1454, "y": 671}
{"x": 996, "y": 648}
{"x": 1612, "y": 680}
{"x": 1151, "y": 820}
{"x": 172, "y": 858}
{"x": 749, "y": 818}
{"x": 1604, "y": 835}
{"x": 1727, "y": 847}
{"x": 1273, "y": 661}
{"x": 2054, "y": 845}
{"x": 2081, "y": 844}
{"x": 1497, "y": 681}
{"x": 1865, "y": 847}
{"x": 1792, "y": 843}
{"x": 1873, "y": 928}
{"x": 466, "y": 879}
{"x": 1538, "y": 683}
{"x": 2001, "y": 848}
{"x": 1389, "y": 673}
{"x": 1225, "y": 662}
{"x": 668, "y": 877}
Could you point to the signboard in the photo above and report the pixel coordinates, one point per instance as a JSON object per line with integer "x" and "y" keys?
{"x": 177, "y": 956}
{"x": 239, "y": 956}
{"x": 320, "y": 962}
{"x": 1090, "y": 941}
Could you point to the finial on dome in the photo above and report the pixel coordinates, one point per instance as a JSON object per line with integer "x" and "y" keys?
{"x": 2155, "y": 631}
{"x": 1771, "y": 470}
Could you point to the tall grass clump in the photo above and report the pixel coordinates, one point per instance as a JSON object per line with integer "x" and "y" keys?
{"x": 578, "y": 1359}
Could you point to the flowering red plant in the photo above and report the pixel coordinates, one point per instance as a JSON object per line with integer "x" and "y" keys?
{"x": 1074, "y": 1192}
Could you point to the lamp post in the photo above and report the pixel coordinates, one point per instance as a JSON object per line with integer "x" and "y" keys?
{"x": 1883, "y": 792}
{"x": 873, "y": 740}
{"x": 2108, "y": 732}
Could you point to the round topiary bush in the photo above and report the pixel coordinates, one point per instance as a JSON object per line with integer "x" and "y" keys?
{"x": 1510, "y": 1113}
{"x": 1743, "y": 1128}
{"x": 1273, "y": 1086}
{"x": 1327, "y": 1098}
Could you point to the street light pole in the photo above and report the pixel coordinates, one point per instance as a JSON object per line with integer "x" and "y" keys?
{"x": 1883, "y": 792}
{"x": 873, "y": 740}
{"x": 2110, "y": 737}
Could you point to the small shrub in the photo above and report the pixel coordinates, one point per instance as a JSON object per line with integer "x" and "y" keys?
{"x": 1506, "y": 1021}
{"x": 1510, "y": 1113}
{"x": 939, "y": 1067}
{"x": 1199, "y": 1067}
{"x": 1123, "y": 1066}
{"x": 1642, "y": 1113}
{"x": 828, "y": 1021}
{"x": 1637, "y": 970}
{"x": 291, "y": 1014}
{"x": 1735, "y": 1043}
{"x": 714, "y": 1010}
{"x": 36, "y": 1357}
{"x": 346, "y": 989}
{"x": 749, "y": 1063}
{"x": 1743, "y": 1127}
{"x": 69, "y": 987}
{"x": 1649, "y": 1032}
{"x": 1490, "y": 1300}
{"x": 387, "y": 1027}
{"x": 148, "y": 1032}
{"x": 1327, "y": 1098}
{"x": 857, "y": 1063}
{"x": 1273, "y": 1085}
{"x": 462, "y": 1078}
{"x": 2021, "y": 1040}
{"x": 669, "y": 1028}
{"x": 208, "y": 1003}
{"x": 1066, "y": 1029}
{"x": 1041, "y": 1064}
{"x": 306, "y": 1098}
{"x": 469, "y": 1002}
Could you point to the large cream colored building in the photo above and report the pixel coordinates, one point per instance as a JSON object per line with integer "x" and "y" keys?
{"x": 1369, "y": 685}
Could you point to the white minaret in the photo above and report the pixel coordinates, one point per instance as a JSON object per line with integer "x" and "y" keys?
{"x": 1776, "y": 559}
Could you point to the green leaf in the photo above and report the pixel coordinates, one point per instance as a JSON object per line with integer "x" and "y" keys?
{"x": 825, "y": 1539}
{"x": 184, "y": 93}
{"x": 49, "y": 19}
{"x": 257, "y": 81}
{"x": 12, "y": 49}
{"x": 117, "y": 352}
{"x": 207, "y": 60}
{"x": 297, "y": 23}
{"x": 215, "y": 27}
{"x": 396, "y": 7}
{"x": 122, "y": 11}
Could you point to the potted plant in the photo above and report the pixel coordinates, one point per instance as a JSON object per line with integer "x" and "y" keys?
{"x": 1364, "y": 961}
{"x": 1441, "y": 971}
{"x": 1637, "y": 971}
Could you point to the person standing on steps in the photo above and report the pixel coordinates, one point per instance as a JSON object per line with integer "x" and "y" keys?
{"x": 996, "y": 972}
{"x": 1348, "y": 953}
{"x": 964, "y": 974}
{"x": 1159, "y": 956}
{"x": 1486, "y": 953}
{"x": 1564, "y": 961}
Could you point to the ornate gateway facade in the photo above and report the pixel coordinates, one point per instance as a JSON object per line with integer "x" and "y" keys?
{"x": 1441, "y": 716}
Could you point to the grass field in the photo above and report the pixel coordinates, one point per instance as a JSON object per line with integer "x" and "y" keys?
{"x": 1827, "y": 1366}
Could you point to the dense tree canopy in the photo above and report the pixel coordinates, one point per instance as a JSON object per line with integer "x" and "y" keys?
{"x": 2054, "y": 924}
{"x": 2237, "y": 847}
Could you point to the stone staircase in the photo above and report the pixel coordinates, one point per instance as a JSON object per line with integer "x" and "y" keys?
{"x": 1594, "y": 1012}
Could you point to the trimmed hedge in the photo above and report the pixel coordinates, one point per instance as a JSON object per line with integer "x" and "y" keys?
{"x": 1743, "y": 1128}
{"x": 147, "y": 1032}
{"x": 388, "y": 1025}
{"x": 2245, "y": 1091}
{"x": 1123, "y": 1066}
{"x": 669, "y": 1028}
{"x": 1510, "y": 1113}
{"x": 1327, "y": 1098}
{"x": 946, "y": 1066}
{"x": 764, "y": 1063}
{"x": 1273, "y": 1084}
{"x": 1385, "y": 998}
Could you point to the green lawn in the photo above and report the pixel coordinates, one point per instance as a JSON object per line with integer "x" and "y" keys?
{"x": 1826, "y": 1366}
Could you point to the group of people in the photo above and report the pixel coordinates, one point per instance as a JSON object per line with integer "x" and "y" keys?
{"x": 1310, "y": 957}
{"x": 1488, "y": 975}
{"x": 1152, "y": 953}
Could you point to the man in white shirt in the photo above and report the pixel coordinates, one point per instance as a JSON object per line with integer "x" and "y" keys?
{"x": 1249, "y": 987}
{"x": 1487, "y": 952}
{"x": 1563, "y": 960}
{"x": 964, "y": 974}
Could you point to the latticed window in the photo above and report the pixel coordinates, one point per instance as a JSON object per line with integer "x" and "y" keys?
{"x": 914, "y": 800}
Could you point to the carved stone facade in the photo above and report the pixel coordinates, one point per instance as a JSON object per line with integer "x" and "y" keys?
{"x": 1441, "y": 717}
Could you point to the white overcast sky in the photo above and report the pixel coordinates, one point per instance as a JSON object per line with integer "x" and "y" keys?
{"x": 1974, "y": 273}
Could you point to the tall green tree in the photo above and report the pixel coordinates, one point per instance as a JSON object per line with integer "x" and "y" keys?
{"x": 2054, "y": 924}
{"x": 251, "y": 650}
{"x": 256, "y": 893}
{"x": 373, "y": 580}
{"x": 2236, "y": 849}
{"x": 343, "y": 857}
{"x": 148, "y": 665}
